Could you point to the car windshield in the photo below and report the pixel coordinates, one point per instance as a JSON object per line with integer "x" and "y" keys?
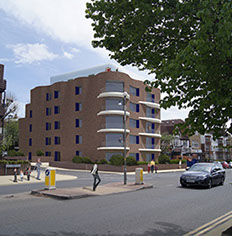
{"x": 200, "y": 168}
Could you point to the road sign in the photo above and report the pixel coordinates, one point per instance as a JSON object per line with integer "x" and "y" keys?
{"x": 50, "y": 178}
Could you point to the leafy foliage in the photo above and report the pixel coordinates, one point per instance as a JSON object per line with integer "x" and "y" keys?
{"x": 103, "y": 161}
{"x": 186, "y": 44}
{"x": 166, "y": 143}
{"x": 39, "y": 153}
{"x": 131, "y": 161}
{"x": 163, "y": 159}
{"x": 78, "y": 159}
{"x": 117, "y": 160}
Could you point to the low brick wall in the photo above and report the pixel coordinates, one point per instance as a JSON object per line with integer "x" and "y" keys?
{"x": 76, "y": 166}
{"x": 10, "y": 171}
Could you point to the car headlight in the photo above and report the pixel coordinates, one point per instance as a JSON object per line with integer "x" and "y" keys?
{"x": 202, "y": 177}
{"x": 183, "y": 177}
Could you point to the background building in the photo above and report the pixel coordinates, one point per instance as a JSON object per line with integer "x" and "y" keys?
{"x": 84, "y": 116}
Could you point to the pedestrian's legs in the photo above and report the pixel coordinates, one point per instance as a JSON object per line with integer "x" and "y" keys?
{"x": 99, "y": 180}
{"x": 15, "y": 178}
{"x": 38, "y": 174}
{"x": 94, "y": 182}
{"x": 152, "y": 169}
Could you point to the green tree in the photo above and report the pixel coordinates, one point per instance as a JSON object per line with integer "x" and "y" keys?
{"x": 186, "y": 44}
{"x": 11, "y": 134}
{"x": 166, "y": 144}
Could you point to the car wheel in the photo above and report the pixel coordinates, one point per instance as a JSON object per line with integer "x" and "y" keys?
{"x": 183, "y": 185}
{"x": 222, "y": 181}
{"x": 210, "y": 183}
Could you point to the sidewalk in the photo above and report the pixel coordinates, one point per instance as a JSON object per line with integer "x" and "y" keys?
{"x": 82, "y": 192}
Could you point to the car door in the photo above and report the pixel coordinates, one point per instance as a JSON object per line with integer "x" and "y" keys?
{"x": 215, "y": 176}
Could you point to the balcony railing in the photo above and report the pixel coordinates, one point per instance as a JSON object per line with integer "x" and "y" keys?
{"x": 116, "y": 143}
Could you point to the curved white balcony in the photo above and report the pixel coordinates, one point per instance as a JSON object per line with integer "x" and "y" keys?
{"x": 111, "y": 130}
{"x": 151, "y": 135}
{"x": 113, "y": 95}
{"x": 149, "y": 150}
{"x": 151, "y": 104}
{"x": 112, "y": 148}
{"x": 152, "y": 120}
{"x": 113, "y": 112}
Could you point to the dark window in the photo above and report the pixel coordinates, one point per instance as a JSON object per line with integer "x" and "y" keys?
{"x": 30, "y": 113}
{"x": 137, "y": 156}
{"x": 152, "y": 156}
{"x": 56, "y": 94}
{"x": 48, "y": 141}
{"x": 150, "y": 97}
{"x": 78, "y": 153}
{"x": 48, "y": 125}
{"x": 137, "y": 107}
{"x": 78, "y": 123}
{"x": 134, "y": 91}
{"x": 78, "y": 90}
{"x": 30, "y": 142}
{"x": 57, "y": 156}
{"x": 57, "y": 140}
{"x": 134, "y": 123}
{"x": 78, "y": 106}
{"x": 48, "y": 111}
{"x": 48, "y": 96}
{"x": 30, "y": 128}
{"x": 29, "y": 156}
{"x": 57, "y": 125}
{"x": 78, "y": 139}
{"x": 134, "y": 139}
{"x": 48, "y": 154}
{"x": 56, "y": 109}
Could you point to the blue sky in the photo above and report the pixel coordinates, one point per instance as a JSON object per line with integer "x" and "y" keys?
{"x": 43, "y": 38}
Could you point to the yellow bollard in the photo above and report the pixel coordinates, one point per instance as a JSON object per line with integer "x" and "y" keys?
{"x": 50, "y": 178}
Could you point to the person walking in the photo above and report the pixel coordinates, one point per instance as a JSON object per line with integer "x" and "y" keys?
{"x": 21, "y": 175}
{"x": 38, "y": 164}
{"x": 180, "y": 163}
{"x": 28, "y": 173}
{"x": 96, "y": 177}
{"x": 152, "y": 166}
{"x": 15, "y": 175}
{"x": 148, "y": 167}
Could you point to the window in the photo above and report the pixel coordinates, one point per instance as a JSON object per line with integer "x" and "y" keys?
{"x": 134, "y": 123}
{"x": 150, "y": 97}
{"x": 150, "y": 128}
{"x": 108, "y": 155}
{"x": 57, "y": 109}
{"x": 150, "y": 143}
{"x": 30, "y": 113}
{"x": 56, "y": 94}
{"x": 78, "y": 90}
{"x": 78, "y": 153}
{"x": 48, "y": 96}
{"x": 30, "y": 142}
{"x": 78, "y": 106}
{"x": 112, "y": 86}
{"x": 78, "y": 139}
{"x": 48, "y": 125}
{"x": 135, "y": 155}
{"x": 134, "y": 107}
{"x": 78, "y": 123}
{"x": 48, "y": 154}
{"x": 48, "y": 111}
{"x": 57, "y": 156}
{"x": 134, "y": 91}
{"x": 150, "y": 112}
{"x": 114, "y": 104}
{"x": 114, "y": 122}
{"x": 47, "y": 141}
{"x": 150, "y": 156}
{"x": 57, "y": 140}
{"x": 29, "y": 156}
{"x": 114, "y": 140}
{"x": 30, "y": 128}
{"x": 57, "y": 125}
{"x": 134, "y": 139}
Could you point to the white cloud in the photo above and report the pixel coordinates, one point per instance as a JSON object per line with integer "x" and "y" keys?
{"x": 62, "y": 20}
{"x": 68, "y": 55}
{"x": 29, "y": 53}
{"x": 174, "y": 113}
{"x": 75, "y": 50}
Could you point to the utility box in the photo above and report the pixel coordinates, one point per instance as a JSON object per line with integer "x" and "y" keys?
{"x": 139, "y": 176}
{"x": 50, "y": 178}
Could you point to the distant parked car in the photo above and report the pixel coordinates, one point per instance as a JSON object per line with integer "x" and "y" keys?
{"x": 225, "y": 165}
{"x": 203, "y": 174}
{"x": 230, "y": 164}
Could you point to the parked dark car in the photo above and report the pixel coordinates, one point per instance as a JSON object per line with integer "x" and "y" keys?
{"x": 203, "y": 174}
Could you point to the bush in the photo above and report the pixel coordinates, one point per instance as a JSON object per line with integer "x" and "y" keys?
{"x": 20, "y": 154}
{"x": 174, "y": 161}
{"x": 77, "y": 159}
{"x": 39, "y": 153}
{"x": 117, "y": 160}
{"x": 163, "y": 159}
{"x": 142, "y": 162}
{"x": 14, "y": 162}
{"x": 131, "y": 161}
{"x": 103, "y": 161}
{"x": 11, "y": 153}
{"x": 86, "y": 160}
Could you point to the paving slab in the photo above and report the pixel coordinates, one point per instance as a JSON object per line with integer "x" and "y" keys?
{"x": 82, "y": 192}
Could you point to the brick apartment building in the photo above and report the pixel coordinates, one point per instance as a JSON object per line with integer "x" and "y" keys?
{"x": 81, "y": 113}
{"x": 2, "y": 90}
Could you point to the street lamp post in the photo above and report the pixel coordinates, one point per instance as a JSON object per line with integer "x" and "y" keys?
{"x": 124, "y": 136}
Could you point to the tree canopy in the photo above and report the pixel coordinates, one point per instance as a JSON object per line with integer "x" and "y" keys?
{"x": 186, "y": 44}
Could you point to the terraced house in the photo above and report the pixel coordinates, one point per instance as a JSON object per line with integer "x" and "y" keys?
{"x": 81, "y": 113}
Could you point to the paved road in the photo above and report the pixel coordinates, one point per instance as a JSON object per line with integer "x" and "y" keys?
{"x": 167, "y": 209}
